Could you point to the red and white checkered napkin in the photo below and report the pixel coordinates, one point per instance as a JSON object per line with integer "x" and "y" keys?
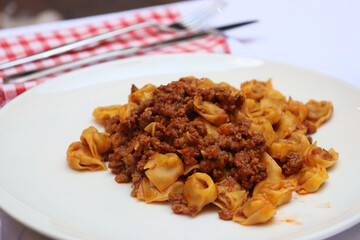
{"x": 23, "y": 45}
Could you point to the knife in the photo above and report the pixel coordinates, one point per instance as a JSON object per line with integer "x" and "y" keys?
{"x": 30, "y": 75}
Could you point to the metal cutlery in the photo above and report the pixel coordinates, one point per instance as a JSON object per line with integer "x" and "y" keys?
{"x": 26, "y": 76}
{"x": 192, "y": 21}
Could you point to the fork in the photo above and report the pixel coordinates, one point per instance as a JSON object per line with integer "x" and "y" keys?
{"x": 30, "y": 75}
{"x": 192, "y": 21}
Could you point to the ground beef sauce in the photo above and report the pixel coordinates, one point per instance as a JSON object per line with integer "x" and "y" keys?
{"x": 233, "y": 153}
{"x": 193, "y": 142}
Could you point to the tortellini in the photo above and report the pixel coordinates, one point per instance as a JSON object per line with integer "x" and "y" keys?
{"x": 287, "y": 116}
{"x": 200, "y": 190}
{"x": 254, "y": 211}
{"x": 264, "y": 127}
{"x": 143, "y": 94}
{"x": 98, "y": 143}
{"x": 234, "y": 91}
{"x": 298, "y": 109}
{"x": 150, "y": 193}
{"x": 277, "y": 191}
{"x": 88, "y": 154}
{"x": 231, "y": 196}
{"x": 274, "y": 94}
{"x": 322, "y": 157}
{"x": 272, "y": 168}
{"x": 212, "y": 113}
{"x": 286, "y": 125}
{"x": 125, "y": 110}
{"x": 268, "y": 109}
{"x": 281, "y": 148}
{"x": 79, "y": 157}
{"x": 103, "y": 114}
{"x": 319, "y": 112}
{"x": 295, "y": 143}
{"x": 310, "y": 179}
{"x": 164, "y": 169}
{"x": 255, "y": 89}
{"x": 275, "y": 188}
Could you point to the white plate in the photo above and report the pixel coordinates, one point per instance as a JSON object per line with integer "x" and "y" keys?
{"x": 38, "y": 188}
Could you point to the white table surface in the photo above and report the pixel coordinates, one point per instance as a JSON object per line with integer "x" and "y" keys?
{"x": 322, "y": 35}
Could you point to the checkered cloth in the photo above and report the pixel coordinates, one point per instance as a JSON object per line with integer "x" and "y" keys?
{"x": 23, "y": 45}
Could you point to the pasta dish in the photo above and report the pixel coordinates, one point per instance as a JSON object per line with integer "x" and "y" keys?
{"x": 194, "y": 142}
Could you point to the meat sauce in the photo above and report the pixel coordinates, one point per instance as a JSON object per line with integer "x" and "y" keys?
{"x": 233, "y": 152}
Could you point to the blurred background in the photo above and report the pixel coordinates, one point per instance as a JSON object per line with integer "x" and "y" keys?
{"x": 14, "y": 13}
